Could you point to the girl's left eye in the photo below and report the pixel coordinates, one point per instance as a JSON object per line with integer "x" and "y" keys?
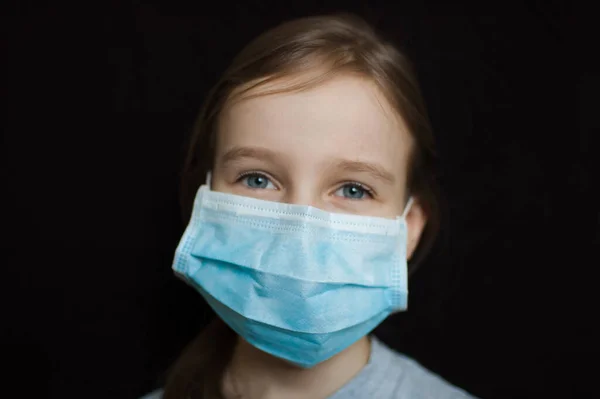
{"x": 353, "y": 191}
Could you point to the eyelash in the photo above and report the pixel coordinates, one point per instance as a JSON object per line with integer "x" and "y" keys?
{"x": 254, "y": 173}
{"x": 369, "y": 192}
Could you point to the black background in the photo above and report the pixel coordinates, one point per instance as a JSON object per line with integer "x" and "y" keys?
{"x": 98, "y": 101}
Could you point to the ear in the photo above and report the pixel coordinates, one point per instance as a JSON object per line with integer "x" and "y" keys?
{"x": 416, "y": 219}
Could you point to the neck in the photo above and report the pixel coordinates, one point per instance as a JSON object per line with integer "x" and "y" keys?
{"x": 253, "y": 373}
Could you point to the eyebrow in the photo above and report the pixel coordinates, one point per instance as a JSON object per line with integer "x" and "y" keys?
{"x": 237, "y": 153}
{"x": 376, "y": 171}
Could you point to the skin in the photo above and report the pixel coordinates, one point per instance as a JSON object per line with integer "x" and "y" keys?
{"x": 339, "y": 147}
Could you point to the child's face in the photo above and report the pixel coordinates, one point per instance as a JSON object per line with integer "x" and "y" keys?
{"x": 339, "y": 147}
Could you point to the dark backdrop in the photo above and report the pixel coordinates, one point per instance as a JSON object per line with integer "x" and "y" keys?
{"x": 100, "y": 99}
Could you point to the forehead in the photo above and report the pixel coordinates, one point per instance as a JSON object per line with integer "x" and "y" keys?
{"x": 345, "y": 117}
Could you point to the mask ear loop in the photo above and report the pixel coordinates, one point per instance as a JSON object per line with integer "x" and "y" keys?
{"x": 208, "y": 178}
{"x": 408, "y": 206}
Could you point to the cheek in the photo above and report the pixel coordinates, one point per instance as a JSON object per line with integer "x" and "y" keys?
{"x": 221, "y": 180}
{"x": 384, "y": 208}
{"x": 220, "y": 186}
{"x": 394, "y": 199}
{"x": 394, "y": 208}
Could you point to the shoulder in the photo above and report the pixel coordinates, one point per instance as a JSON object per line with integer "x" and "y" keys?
{"x": 409, "y": 379}
{"x": 153, "y": 395}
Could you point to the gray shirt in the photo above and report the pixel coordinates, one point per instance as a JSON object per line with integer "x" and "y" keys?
{"x": 390, "y": 375}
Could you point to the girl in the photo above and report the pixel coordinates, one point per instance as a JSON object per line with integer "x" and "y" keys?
{"x": 319, "y": 198}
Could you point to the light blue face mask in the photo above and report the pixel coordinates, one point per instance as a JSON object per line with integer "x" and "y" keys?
{"x": 295, "y": 281}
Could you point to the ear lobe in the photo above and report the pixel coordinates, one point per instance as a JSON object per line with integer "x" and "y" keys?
{"x": 416, "y": 219}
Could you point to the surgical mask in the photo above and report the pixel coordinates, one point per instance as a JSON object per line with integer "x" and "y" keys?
{"x": 297, "y": 282}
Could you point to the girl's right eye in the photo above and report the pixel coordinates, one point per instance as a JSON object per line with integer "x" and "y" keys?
{"x": 257, "y": 181}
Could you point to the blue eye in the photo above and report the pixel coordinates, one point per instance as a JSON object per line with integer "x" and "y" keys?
{"x": 257, "y": 181}
{"x": 353, "y": 191}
